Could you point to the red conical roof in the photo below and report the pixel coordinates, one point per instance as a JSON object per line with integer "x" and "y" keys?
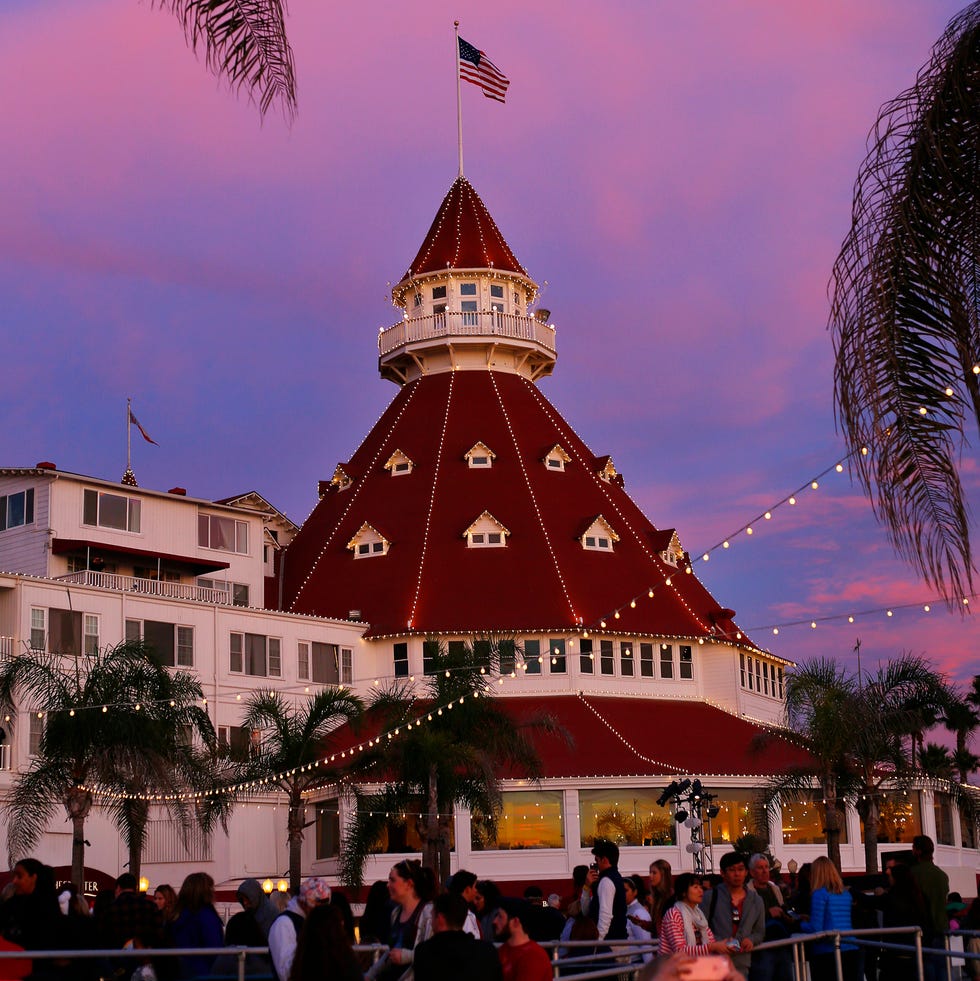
{"x": 463, "y": 236}
{"x": 543, "y": 579}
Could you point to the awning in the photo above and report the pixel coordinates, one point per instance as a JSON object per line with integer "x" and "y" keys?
{"x": 64, "y": 546}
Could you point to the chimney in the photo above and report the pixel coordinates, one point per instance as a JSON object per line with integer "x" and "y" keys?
{"x": 179, "y": 491}
{"x": 45, "y": 465}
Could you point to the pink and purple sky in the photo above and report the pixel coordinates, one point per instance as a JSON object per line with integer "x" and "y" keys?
{"x": 679, "y": 174}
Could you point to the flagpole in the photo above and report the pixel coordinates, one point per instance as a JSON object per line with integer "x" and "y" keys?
{"x": 459, "y": 107}
{"x": 129, "y": 434}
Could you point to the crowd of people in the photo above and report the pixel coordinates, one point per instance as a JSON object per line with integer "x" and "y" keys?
{"x": 471, "y": 929}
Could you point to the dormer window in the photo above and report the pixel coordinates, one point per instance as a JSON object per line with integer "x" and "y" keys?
{"x": 486, "y": 532}
{"x": 556, "y": 458}
{"x": 368, "y": 543}
{"x": 599, "y": 536}
{"x": 399, "y": 464}
{"x": 467, "y": 289}
{"x": 673, "y": 552}
{"x": 605, "y": 468}
{"x": 480, "y": 456}
{"x": 341, "y": 479}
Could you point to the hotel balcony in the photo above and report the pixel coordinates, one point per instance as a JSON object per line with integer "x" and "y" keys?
{"x": 149, "y": 587}
{"x": 451, "y": 340}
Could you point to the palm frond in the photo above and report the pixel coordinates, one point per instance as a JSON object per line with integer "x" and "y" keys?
{"x": 245, "y": 42}
{"x": 904, "y": 310}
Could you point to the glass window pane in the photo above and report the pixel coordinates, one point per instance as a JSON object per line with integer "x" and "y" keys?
{"x": 15, "y": 510}
{"x": 738, "y": 815}
{"x": 113, "y": 511}
{"x": 328, "y": 829}
{"x": 255, "y": 663}
{"x": 942, "y": 807}
{"x": 804, "y": 821}
{"x": 530, "y": 819}
{"x": 900, "y": 817}
{"x": 666, "y": 660}
{"x": 557, "y": 648}
{"x": 586, "y": 664}
{"x": 467, "y": 289}
{"x": 626, "y": 659}
{"x": 646, "y": 660}
{"x": 606, "y": 663}
{"x": 630, "y": 816}
{"x": 185, "y": 647}
{"x": 134, "y": 515}
{"x": 687, "y": 662}
{"x": 532, "y": 656}
{"x": 968, "y": 826}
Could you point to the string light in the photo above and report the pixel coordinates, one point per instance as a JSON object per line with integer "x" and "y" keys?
{"x": 888, "y": 611}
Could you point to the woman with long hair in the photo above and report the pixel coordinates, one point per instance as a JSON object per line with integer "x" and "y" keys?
{"x": 830, "y": 909}
{"x": 410, "y": 887}
{"x": 197, "y": 924}
{"x": 684, "y": 926}
{"x": 323, "y": 949}
{"x": 166, "y": 901}
{"x": 661, "y": 892}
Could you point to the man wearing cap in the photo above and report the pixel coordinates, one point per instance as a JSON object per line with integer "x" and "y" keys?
{"x": 521, "y": 959}
{"x": 608, "y": 903}
{"x": 285, "y": 928}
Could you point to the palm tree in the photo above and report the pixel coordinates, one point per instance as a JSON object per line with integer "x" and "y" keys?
{"x": 292, "y": 753}
{"x": 245, "y": 42}
{"x": 816, "y": 720}
{"x": 937, "y": 761}
{"x": 962, "y": 719}
{"x": 856, "y": 730}
{"x": 446, "y": 749}
{"x": 904, "y": 310}
{"x": 113, "y": 722}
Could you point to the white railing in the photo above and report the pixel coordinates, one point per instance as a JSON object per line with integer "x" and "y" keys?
{"x": 6, "y": 757}
{"x": 151, "y": 587}
{"x": 9, "y": 647}
{"x": 456, "y": 323}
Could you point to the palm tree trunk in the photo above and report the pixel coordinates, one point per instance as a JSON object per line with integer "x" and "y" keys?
{"x": 294, "y": 830}
{"x": 833, "y": 833}
{"x": 78, "y": 803}
{"x": 868, "y": 808}
{"x": 138, "y": 816}
{"x": 430, "y": 840}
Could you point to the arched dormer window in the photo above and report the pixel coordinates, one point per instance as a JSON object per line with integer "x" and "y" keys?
{"x": 480, "y": 456}
{"x": 556, "y": 458}
{"x": 399, "y": 464}
{"x": 486, "y": 532}
{"x": 599, "y": 536}
{"x": 368, "y": 543}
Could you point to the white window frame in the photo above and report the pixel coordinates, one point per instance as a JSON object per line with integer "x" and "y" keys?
{"x": 133, "y": 510}
{"x": 303, "y": 660}
{"x": 39, "y": 628}
{"x": 240, "y": 546}
{"x": 90, "y": 634}
{"x": 27, "y": 509}
{"x": 346, "y": 666}
{"x": 482, "y": 453}
{"x": 238, "y": 655}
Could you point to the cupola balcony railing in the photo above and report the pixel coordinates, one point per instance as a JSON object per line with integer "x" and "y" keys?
{"x": 150, "y": 587}
{"x": 465, "y": 323}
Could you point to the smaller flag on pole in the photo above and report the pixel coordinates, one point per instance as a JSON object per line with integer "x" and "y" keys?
{"x": 133, "y": 421}
{"x": 476, "y": 67}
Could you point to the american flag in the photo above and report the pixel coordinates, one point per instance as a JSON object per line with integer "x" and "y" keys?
{"x": 476, "y": 67}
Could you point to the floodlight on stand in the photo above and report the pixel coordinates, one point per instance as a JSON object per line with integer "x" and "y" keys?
{"x": 682, "y": 786}
{"x": 713, "y": 811}
{"x": 680, "y": 816}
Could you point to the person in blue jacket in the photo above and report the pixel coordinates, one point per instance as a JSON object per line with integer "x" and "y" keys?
{"x": 830, "y": 909}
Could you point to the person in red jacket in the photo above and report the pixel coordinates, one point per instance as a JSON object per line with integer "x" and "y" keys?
{"x": 521, "y": 959}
